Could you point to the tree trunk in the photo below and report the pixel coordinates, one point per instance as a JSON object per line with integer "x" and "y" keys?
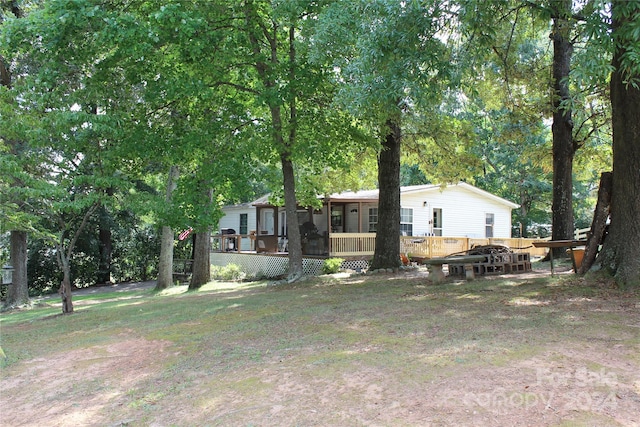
{"x": 294, "y": 245}
{"x": 387, "y": 252}
{"x": 64, "y": 260}
{"x": 620, "y": 250}
{"x": 5, "y": 75}
{"x": 293, "y": 228}
{"x": 562, "y": 128}
{"x": 266, "y": 71}
{"x": 201, "y": 273}
{"x": 105, "y": 247}
{"x": 65, "y": 286}
{"x": 599, "y": 223}
{"x": 165, "y": 263}
{"x": 18, "y": 291}
{"x": 524, "y": 212}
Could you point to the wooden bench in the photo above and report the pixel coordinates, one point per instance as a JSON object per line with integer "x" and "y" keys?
{"x": 437, "y": 275}
{"x": 182, "y": 269}
{"x": 571, "y": 244}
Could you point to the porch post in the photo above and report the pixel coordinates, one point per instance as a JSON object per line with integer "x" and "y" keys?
{"x": 359, "y": 217}
{"x": 258, "y": 208}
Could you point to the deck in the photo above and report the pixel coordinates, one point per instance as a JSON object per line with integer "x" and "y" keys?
{"x": 349, "y": 245}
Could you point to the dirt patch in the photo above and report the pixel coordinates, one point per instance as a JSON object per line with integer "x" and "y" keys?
{"x": 381, "y": 351}
{"x": 79, "y": 387}
{"x": 542, "y": 391}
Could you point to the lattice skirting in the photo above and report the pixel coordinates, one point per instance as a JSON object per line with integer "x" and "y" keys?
{"x": 275, "y": 266}
{"x": 355, "y": 264}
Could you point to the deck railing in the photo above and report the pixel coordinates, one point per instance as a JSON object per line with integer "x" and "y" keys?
{"x": 354, "y": 244}
{"x": 578, "y": 234}
{"x": 364, "y": 244}
{"x": 224, "y": 242}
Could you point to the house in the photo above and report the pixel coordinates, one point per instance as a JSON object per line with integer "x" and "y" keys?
{"x": 347, "y": 222}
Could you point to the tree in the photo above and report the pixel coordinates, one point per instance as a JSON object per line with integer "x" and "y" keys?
{"x": 66, "y": 109}
{"x": 578, "y": 122}
{"x": 65, "y": 245}
{"x": 281, "y": 100}
{"x": 165, "y": 264}
{"x": 119, "y": 106}
{"x": 201, "y": 273}
{"x": 18, "y": 291}
{"x": 266, "y": 43}
{"x": 392, "y": 63}
{"x": 105, "y": 246}
{"x": 619, "y": 254}
{"x": 513, "y": 150}
{"x": 564, "y": 146}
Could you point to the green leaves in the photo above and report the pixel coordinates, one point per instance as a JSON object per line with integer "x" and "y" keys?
{"x": 385, "y": 51}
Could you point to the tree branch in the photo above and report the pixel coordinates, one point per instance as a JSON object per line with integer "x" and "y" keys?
{"x": 237, "y": 86}
{"x": 79, "y": 230}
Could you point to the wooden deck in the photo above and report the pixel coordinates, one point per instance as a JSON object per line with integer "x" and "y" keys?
{"x": 348, "y": 245}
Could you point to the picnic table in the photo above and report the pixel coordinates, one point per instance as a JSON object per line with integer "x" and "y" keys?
{"x": 571, "y": 244}
{"x": 437, "y": 275}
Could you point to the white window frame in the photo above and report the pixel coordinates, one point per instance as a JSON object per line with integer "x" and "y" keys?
{"x": 406, "y": 221}
{"x": 489, "y": 224}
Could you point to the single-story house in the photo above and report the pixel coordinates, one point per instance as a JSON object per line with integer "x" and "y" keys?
{"x": 350, "y": 218}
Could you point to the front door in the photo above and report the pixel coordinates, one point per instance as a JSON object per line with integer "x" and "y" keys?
{"x": 437, "y": 221}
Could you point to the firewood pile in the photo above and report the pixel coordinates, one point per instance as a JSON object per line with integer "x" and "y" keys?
{"x": 498, "y": 260}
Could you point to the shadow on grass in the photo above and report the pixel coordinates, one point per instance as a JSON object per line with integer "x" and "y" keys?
{"x": 238, "y": 345}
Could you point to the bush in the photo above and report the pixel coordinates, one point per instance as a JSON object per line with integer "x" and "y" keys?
{"x": 228, "y": 272}
{"x": 332, "y": 265}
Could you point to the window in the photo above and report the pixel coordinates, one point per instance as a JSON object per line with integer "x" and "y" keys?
{"x": 489, "y": 221}
{"x": 373, "y": 220}
{"x": 437, "y": 222}
{"x": 406, "y": 221}
{"x": 336, "y": 219}
{"x": 244, "y": 223}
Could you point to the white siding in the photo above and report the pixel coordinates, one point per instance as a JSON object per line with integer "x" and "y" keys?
{"x": 231, "y": 219}
{"x": 421, "y": 214}
{"x": 463, "y": 212}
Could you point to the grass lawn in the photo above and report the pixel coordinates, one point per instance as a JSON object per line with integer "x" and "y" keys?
{"x": 384, "y": 350}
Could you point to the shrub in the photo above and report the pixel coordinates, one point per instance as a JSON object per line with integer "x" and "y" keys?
{"x": 228, "y": 272}
{"x": 332, "y": 265}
